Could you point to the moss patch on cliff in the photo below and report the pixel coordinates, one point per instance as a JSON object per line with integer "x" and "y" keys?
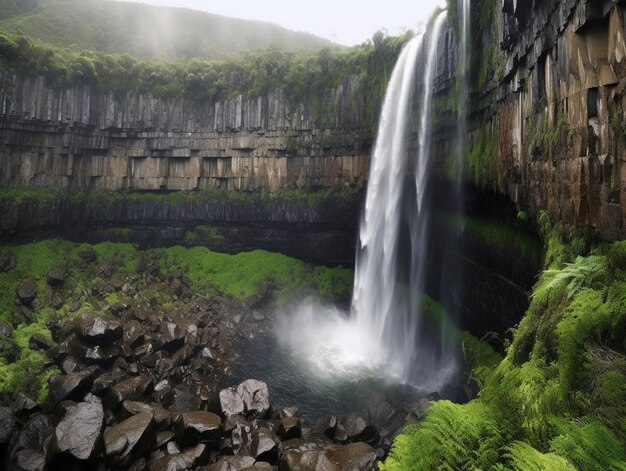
{"x": 556, "y": 401}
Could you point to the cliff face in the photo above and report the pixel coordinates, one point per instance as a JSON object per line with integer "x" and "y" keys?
{"x": 88, "y": 140}
{"x": 548, "y": 108}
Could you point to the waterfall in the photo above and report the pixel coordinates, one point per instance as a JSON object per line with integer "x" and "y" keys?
{"x": 394, "y": 240}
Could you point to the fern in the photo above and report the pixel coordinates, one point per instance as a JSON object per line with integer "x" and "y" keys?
{"x": 523, "y": 457}
{"x": 585, "y": 272}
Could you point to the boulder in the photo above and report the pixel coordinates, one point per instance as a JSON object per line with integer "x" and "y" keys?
{"x": 27, "y": 291}
{"x": 23, "y": 315}
{"x": 198, "y": 426}
{"x": 39, "y": 342}
{"x": 29, "y": 460}
{"x": 353, "y": 428}
{"x": 73, "y": 386}
{"x": 290, "y": 427}
{"x": 56, "y": 276}
{"x": 32, "y": 435}
{"x": 251, "y": 398}
{"x": 232, "y": 463}
{"x": 263, "y": 446}
{"x": 352, "y": 457}
{"x": 6, "y": 331}
{"x": 129, "y": 440}
{"x": 188, "y": 459}
{"x": 171, "y": 336}
{"x": 134, "y": 333}
{"x": 327, "y": 426}
{"x": 163, "y": 393}
{"x": 98, "y": 330}
{"x": 7, "y": 425}
{"x": 162, "y": 417}
{"x": 7, "y": 262}
{"x": 23, "y": 406}
{"x": 79, "y": 434}
{"x": 132, "y": 388}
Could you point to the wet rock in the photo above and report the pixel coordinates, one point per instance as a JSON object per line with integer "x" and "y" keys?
{"x": 56, "y": 300}
{"x": 162, "y": 418}
{"x": 290, "y": 428}
{"x": 72, "y": 386}
{"x": 132, "y": 388}
{"x": 352, "y": 457}
{"x": 56, "y": 276}
{"x": 29, "y": 460}
{"x": 9, "y": 349}
{"x": 171, "y": 337}
{"x": 23, "y": 406}
{"x": 251, "y": 397}
{"x": 263, "y": 446}
{"x": 98, "y": 330}
{"x": 163, "y": 438}
{"x": 78, "y": 434}
{"x": 387, "y": 419}
{"x": 163, "y": 393}
{"x": 7, "y": 425}
{"x": 182, "y": 355}
{"x": 354, "y": 428}
{"x": 133, "y": 333}
{"x": 129, "y": 440}
{"x": 418, "y": 411}
{"x": 39, "y": 342}
{"x": 103, "y": 383}
{"x": 327, "y": 426}
{"x": 27, "y": 291}
{"x": 7, "y": 262}
{"x": 232, "y": 463}
{"x": 32, "y": 435}
{"x": 198, "y": 426}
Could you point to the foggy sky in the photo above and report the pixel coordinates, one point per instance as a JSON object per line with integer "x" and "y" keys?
{"x": 347, "y": 22}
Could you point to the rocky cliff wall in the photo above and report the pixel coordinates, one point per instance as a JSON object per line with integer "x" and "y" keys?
{"x": 85, "y": 139}
{"x": 547, "y": 104}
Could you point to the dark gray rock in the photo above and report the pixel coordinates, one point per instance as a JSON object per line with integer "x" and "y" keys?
{"x": 6, "y": 331}
{"x": 27, "y": 291}
{"x": 7, "y": 262}
{"x": 162, "y": 418}
{"x": 188, "y": 459}
{"x": 352, "y": 457}
{"x": 79, "y": 434}
{"x": 97, "y": 330}
{"x": 263, "y": 446}
{"x": 134, "y": 333}
{"x": 163, "y": 393}
{"x": 56, "y": 276}
{"x": 290, "y": 427}
{"x": 32, "y": 435}
{"x": 354, "y": 428}
{"x": 88, "y": 254}
{"x": 132, "y": 388}
{"x": 29, "y": 460}
{"x": 73, "y": 386}
{"x": 232, "y": 463}
{"x": 23, "y": 406}
{"x": 327, "y": 426}
{"x": 23, "y": 315}
{"x": 7, "y": 424}
{"x": 249, "y": 398}
{"x": 39, "y": 342}
{"x": 198, "y": 426}
{"x": 129, "y": 440}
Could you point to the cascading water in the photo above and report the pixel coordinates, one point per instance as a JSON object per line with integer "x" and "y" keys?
{"x": 387, "y": 335}
{"x": 389, "y": 274}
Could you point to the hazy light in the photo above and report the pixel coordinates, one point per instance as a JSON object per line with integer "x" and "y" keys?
{"x": 347, "y": 22}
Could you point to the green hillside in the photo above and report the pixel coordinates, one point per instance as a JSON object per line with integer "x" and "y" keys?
{"x": 145, "y": 31}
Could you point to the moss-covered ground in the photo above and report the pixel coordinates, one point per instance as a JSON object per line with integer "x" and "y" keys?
{"x": 557, "y": 401}
{"x": 245, "y": 277}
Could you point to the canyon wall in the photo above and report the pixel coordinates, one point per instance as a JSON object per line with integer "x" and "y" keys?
{"x": 84, "y": 139}
{"x": 547, "y": 108}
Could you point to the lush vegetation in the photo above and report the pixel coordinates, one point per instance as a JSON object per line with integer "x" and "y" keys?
{"x": 306, "y": 77}
{"x": 558, "y": 398}
{"x": 145, "y": 31}
{"x": 245, "y": 277}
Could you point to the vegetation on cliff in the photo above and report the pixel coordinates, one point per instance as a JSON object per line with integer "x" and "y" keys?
{"x": 144, "y": 30}
{"x": 306, "y": 77}
{"x": 249, "y": 277}
{"x": 557, "y": 399}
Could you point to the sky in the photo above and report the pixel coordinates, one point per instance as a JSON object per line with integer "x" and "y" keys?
{"x": 347, "y": 22}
